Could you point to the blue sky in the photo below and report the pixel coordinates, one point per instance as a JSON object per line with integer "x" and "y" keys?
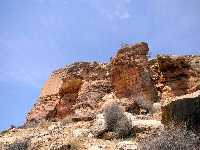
{"x": 38, "y": 36}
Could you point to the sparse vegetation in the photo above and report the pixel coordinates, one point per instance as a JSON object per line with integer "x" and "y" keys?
{"x": 117, "y": 121}
{"x": 73, "y": 145}
{"x": 70, "y": 146}
{"x": 18, "y": 145}
{"x": 124, "y": 45}
{"x": 4, "y": 132}
{"x": 171, "y": 138}
{"x": 67, "y": 120}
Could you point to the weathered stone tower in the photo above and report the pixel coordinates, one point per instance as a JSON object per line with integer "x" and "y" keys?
{"x": 130, "y": 75}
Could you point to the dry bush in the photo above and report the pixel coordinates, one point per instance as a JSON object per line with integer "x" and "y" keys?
{"x": 117, "y": 121}
{"x": 171, "y": 138}
{"x": 72, "y": 144}
{"x": 4, "y": 132}
{"x": 18, "y": 145}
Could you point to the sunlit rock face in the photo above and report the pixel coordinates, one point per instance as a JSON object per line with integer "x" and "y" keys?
{"x": 130, "y": 75}
{"x": 175, "y": 75}
{"x": 56, "y": 99}
{"x": 82, "y": 88}
{"x": 69, "y": 89}
{"x": 79, "y": 88}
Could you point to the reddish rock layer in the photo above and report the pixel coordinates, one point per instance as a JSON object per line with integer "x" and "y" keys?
{"x": 69, "y": 88}
{"x": 130, "y": 75}
{"x": 175, "y": 76}
{"x": 80, "y": 89}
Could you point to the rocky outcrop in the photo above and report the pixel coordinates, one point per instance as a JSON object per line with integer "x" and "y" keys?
{"x": 90, "y": 97}
{"x": 130, "y": 75}
{"x": 175, "y": 75}
{"x": 79, "y": 89}
{"x": 56, "y": 98}
{"x": 69, "y": 89}
{"x": 183, "y": 109}
{"x": 75, "y": 107}
{"x": 82, "y": 89}
{"x": 92, "y": 92}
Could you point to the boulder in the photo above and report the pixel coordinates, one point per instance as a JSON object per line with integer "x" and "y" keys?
{"x": 183, "y": 109}
{"x": 99, "y": 126}
{"x": 140, "y": 125}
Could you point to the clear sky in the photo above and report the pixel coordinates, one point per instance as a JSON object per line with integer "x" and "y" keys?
{"x": 38, "y": 36}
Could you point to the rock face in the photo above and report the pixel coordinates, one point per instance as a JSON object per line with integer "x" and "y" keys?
{"x": 100, "y": 105}
{"x": 130, "y": 75}
{"x": 56, "y": 98}
{"x": 183, "y": 109}
{"x": 82, "y": 89}
{"x": 175, "y": 75}
{"x": 90, "y": 97}
{"x": 69, "y": 89}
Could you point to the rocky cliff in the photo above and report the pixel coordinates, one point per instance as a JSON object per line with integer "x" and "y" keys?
{"x": 78, "y": 89}
{"x": 81, "y": 92}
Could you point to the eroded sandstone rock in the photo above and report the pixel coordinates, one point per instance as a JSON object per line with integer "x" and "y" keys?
{"x": 69, "y": 89}
{"x": 82, "y": 89}
{"x": 56, "y": 98}
{"x": 175, "y": 75}
{"x": 94, "y": 91}
{"x": 130, "y": 75}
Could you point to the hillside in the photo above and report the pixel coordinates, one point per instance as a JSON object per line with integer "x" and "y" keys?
{"x": 113, "y": 105}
